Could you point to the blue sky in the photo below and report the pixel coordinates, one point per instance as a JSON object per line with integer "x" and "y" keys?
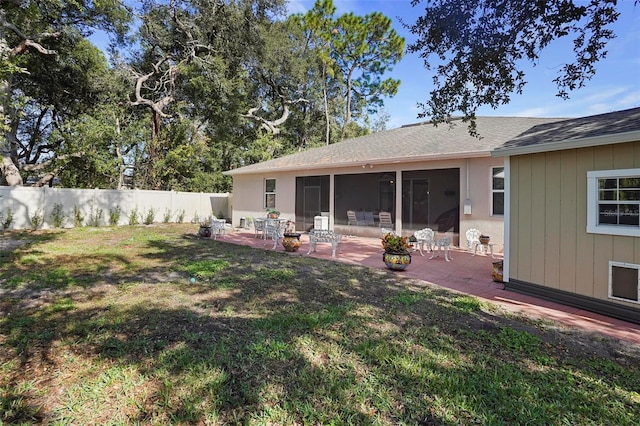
{"x": 615, "y": 86}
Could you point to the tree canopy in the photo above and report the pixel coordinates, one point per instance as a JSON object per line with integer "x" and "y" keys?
{"x": 192, "y": 88}
{"x": 476, "y": 47}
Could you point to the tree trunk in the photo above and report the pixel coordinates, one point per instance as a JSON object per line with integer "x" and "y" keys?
{"x": 9, "y": 169}
{"x": 326, "y": 105}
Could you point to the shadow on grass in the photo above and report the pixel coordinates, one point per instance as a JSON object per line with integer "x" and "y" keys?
{"x": 271, "y": 338}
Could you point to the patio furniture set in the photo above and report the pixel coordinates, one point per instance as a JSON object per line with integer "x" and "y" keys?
{"x": 426, "y": 239}
{"x": 275, "y": 229}
{"x": 442, "y": 241}
{"x": 369, "y": 218}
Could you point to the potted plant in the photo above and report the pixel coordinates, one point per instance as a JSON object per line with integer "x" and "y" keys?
{"x": 397, "y": 254}
{"x": 484, "y": 239}
{"x": 272, "y": 213}
{"x": 291, "y": 239}
{"x": 205, "y": 229}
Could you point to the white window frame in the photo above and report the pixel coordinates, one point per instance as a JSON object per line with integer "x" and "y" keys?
{"x": 592, "y": 203}
{"x": 623, "y": 265}
{"x": 267, "y": 193}
{"x": 497, "y": 191}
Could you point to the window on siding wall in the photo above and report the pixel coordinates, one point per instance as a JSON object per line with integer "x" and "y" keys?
{"x": 269, "y": 193}
{"x": 624, "y": 281}
{"x": 497, "y": 191}
{"x": 613, "y": 202}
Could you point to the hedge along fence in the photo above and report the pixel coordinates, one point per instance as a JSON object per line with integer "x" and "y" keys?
{"x": 27, "y": 207}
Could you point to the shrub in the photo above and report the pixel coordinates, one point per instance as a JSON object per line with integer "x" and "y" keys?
{"x": 37, "y": 219}
{"x": 95, "y": 215}
{"x": 78, "y": 217}
{"x": 167, "y": 216}
{"x": 149, "y": 216}
{"x": 57, "y": 215}
{"x": 114, "y": 216}
{"x": 133, "y": 216}
{"x": 180, "y": 216}
{"x": 6, "y": 220}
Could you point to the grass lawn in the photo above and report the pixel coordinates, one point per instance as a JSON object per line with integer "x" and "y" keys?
{"x": 151, "y": 325}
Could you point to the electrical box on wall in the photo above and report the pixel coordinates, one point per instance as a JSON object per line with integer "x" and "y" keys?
{"x": 467, "y": 206}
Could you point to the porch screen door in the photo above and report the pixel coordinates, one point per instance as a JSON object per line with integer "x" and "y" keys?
{"x": 312, "y": 205}
{"x": 415, "y": 207}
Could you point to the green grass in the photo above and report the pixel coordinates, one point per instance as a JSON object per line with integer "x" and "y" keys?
{"x": 107, "y": 326}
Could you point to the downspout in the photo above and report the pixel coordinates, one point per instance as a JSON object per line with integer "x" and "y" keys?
{"x": 467, "y": 201}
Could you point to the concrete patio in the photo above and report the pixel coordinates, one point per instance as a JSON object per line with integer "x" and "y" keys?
{"x": 466, "y": 273}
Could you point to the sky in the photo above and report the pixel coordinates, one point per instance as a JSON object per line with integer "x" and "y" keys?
{"x": 616, "y": 85}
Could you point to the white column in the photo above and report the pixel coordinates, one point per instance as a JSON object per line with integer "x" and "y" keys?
{"x": 332, "y": 203}
{"x": 399, "y": 202}
{"x": 507, "y": 218}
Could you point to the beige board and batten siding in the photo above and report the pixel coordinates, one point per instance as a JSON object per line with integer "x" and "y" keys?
{"x": 549, "y": 242}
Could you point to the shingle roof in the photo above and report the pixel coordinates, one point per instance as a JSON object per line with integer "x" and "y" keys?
{"x": 418, "y": 142}
{"x": 575, "y": 132}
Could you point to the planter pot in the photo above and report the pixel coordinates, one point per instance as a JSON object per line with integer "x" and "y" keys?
{"x": 396, "y": 261}
{"x": 496, "y": 272}
{"x": 484, "y": 240}
{"x": 204, "y": 231}
{"x": 291, "y": 242}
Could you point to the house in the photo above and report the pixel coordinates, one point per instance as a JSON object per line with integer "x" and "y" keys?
{"x": 572, "y": 197}
{"x": 425, "y": 176}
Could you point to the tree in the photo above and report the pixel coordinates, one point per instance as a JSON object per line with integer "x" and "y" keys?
{"x": 481, "y": 43}
{"x": 30, "y": 32}
{"x": 364, "y": 49}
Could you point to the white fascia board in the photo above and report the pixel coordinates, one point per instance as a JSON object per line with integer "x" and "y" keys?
{"x": 568, "y": 144}
{"x": 360, "y": 163}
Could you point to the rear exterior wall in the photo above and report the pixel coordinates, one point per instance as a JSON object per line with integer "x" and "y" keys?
{"x": 549, "y": 245}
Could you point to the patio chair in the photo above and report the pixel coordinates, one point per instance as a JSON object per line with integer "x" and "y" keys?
{"x": 385, "y": 220}
{"x": 351, "y": 217}
{"x": 258, "y": 226}
{"x": 442, "y": 242}
{"x": 274, "y": 229}
{"x": 360, "y": 217}
{"x": 473, "y": 238}
{"x": 218, "y": 228}
{"x": 426, "y": 237}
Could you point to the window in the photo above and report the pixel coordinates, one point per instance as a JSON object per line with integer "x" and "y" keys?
{"x": 269, "y": 193}
{"x": 497, "y": 191}
{"x": 613, "y": 202}
{"x": 624, "y": 281}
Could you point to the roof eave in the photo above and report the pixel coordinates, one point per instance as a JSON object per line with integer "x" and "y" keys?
{"x": 363, "y": 163}
{"x": 569, "y": 144}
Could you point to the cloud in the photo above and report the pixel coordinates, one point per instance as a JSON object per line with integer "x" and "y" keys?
{"x": 297, "y": 6}
{"x": 533, "y": 112}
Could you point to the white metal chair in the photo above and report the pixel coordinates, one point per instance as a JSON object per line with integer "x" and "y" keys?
{"x": 473, "y": 238}
{"x": 425, "y": 237}
{"x": 442, "y": 242}
{"x": 385, "y": 220}
{"x": 218, "y": 228}
{"x": 274, "y": 229}
{"x": 258, "y": 226}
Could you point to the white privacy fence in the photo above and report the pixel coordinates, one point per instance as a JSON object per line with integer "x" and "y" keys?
{"x": 27, "y": 205}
